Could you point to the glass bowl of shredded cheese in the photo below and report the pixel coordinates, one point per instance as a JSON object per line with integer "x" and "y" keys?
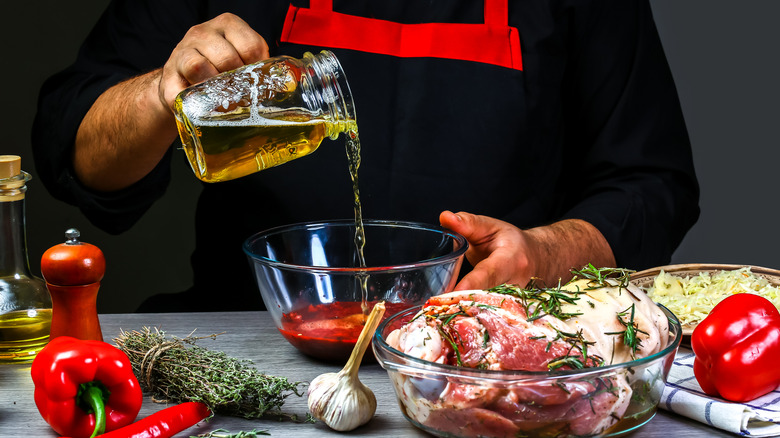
{"x": 690, "y": 291}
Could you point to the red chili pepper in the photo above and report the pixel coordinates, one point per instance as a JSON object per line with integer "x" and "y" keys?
{"x": 165, "y": 423}
{"x": 737, "y": 348}
{"x": 83, "y": 388}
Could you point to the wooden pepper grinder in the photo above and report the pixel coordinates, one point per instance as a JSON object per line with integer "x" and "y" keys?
{"x": 73, "y": 271}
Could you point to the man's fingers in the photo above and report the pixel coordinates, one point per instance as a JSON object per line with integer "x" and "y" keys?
{"x": 228, "y": 42}
{"x": 488, "y": 273}
{"x": 450, "y": 220}
{"x": 223, "y": 43}
{"x": 249, "y": 45}
{"x": 474, "y": 280}
{"x": 195, "y": 67}
{"x": 468, "y": 225}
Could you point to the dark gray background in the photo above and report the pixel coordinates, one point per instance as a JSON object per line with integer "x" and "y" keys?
{"x": 723, "y": 54}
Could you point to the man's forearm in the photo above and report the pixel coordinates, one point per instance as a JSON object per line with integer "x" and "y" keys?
{"x": 124, "y": 135}
{"x": 570, "y": 243}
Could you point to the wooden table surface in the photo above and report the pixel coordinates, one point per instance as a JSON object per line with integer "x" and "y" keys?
{"x": 251, "y": 335}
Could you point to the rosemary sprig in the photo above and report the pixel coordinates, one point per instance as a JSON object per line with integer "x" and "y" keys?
{"x": 598, "y": 276}
{"x": 445, "y": 318}
{"x": 177, "y": 370}
{"x": 577, "y": 355}
{"x": 486, "y": 306}
{"x": 630, "y": 334}
{"x": 562, "y": 386}
{"x": 560, "y": 362}
{"x": 449, "y": 338}
{"x": 601, "y": 386}
{"x": 224, "y": 433}
{"x": 442, "y": 322}
{"x": 539, "y": 302}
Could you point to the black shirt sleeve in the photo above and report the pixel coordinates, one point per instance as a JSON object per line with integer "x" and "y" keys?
{"x": 131, "y": 38}
{"x": 629, "y": 168}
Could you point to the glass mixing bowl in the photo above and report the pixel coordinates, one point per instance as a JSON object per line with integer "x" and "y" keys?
{"x": 520, "y": 403}
{"x": 318, "y": 295}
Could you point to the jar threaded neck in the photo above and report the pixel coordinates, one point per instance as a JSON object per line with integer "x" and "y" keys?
{"x": 325, "y": 69}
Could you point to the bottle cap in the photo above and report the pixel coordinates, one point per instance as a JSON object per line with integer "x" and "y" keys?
{"x": 73, "y": 263}
{"x": 10, "y": 165}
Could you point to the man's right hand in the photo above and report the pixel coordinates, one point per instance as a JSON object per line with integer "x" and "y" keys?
{"x": 221, "y": 44}
{"x": 130, "y": 127}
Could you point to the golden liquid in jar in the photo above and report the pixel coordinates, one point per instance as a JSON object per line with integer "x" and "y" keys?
{"x": 221, "y": 150}
{"x": 23, "y": 334}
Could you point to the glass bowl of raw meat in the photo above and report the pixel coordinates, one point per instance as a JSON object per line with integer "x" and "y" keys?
{"x": 319, "y": 290}
{"x": 588, "y": 358}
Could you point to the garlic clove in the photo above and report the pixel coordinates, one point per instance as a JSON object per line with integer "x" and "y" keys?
{"x": 340, "y": 399}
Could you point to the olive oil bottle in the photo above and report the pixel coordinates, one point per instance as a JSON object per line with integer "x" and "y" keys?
{"x": 25, "y": 303}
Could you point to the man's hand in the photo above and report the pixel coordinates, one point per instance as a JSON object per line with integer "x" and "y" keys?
{"x": 221, "y": 44}
{"x": 130, "y": 126}
{"x": 502, "y": 253}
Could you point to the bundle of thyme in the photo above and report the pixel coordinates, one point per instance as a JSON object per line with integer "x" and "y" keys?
{"x": 176, "y": 370}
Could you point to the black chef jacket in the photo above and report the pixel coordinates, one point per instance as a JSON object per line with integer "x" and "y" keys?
{"x": 530, "y": 111}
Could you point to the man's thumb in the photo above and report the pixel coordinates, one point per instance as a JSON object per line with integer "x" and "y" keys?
{"x": 461, "y": 222}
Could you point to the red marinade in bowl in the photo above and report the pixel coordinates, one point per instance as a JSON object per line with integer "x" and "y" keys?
{"x": 330, "y": 331}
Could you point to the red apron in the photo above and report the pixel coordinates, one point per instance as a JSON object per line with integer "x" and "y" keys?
{"x": 493, "y": 42}
{"x": 439, "y": 106}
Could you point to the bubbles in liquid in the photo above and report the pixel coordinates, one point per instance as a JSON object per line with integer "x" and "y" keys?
{"x": 240, "y": 95}
{"x": 216, "y": 99}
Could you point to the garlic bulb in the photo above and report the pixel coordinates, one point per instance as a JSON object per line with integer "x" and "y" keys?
{"x": 340, "y": 399}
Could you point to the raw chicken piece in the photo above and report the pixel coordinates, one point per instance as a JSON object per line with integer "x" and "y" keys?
{"x": 572, "y": 327}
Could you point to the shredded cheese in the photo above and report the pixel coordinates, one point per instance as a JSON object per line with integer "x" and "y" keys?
{"x": 692, "y": 298}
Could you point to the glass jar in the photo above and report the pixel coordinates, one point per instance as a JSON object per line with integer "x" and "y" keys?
{"x": 263, "y": 115}
{"x": 25, "y": 303}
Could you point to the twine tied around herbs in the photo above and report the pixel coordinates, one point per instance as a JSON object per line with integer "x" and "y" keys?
{"x": 177, "y": 370}
{"x": 149, "y": 359}
{"x": 148, "y": 362}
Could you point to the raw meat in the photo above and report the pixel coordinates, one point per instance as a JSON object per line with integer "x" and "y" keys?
{"x": 577, "y": 326}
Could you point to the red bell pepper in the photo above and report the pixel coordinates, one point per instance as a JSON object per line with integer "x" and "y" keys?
{"x": 84, "y": 388}
{"x": 737, "y": 348}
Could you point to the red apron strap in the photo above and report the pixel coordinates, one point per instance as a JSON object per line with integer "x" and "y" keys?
{"x": 321, "y": 4}
{"x": 496, "y": 12}
{"x": 494, "y": 42}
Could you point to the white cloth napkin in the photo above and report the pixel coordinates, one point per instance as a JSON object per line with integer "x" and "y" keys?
{"x": 683, "y": 396}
